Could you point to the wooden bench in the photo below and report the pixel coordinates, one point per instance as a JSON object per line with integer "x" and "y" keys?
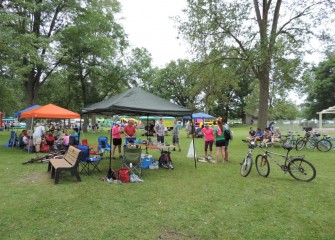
{"x": 69, "y": 162}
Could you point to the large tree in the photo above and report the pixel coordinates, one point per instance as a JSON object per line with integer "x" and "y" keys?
{"x": 320, "y": 87}
{"x": 78, "y": 40}
{"x": 28, "y": 43}
{"x": 267, "y": 35}
{"x": 93, "y": 47}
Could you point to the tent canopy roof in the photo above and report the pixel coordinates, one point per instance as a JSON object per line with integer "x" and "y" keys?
{"x": 328, "y": 110}
{"x": 200, "y": 115}
{"x": 49, "y": 111}
{"x": 18, "y": 114}
{"x": 136, "y": 101}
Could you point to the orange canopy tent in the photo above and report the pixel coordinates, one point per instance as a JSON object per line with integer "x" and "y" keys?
{"x": 49, "y": 111}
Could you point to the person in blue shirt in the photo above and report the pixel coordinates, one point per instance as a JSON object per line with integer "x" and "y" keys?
{"x": 176, "y": 133}
{"x": 271, "y": 127}
{"x": 75, "y": 135}
{"x": 258, "y": 135}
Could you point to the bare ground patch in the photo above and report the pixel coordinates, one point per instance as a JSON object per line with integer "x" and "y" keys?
{"x": 169, "y": 234}
{"x": 34, "y": 177}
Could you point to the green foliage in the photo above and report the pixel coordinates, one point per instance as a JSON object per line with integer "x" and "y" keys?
{"x": 76, "y": 44}
{"x": 139, "y": 69}
{"x": 321, "y": 88}
{"x": 284, "y": 110}
{"x": 176, "y": 82}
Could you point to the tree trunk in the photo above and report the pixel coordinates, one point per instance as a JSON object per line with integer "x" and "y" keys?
{"x": 31, "y": 90}
{"x": 263, "y": 99}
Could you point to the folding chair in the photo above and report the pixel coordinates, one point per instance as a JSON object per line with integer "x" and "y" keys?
{"x": 92, "y": 150}
{"x": 88, "y": 159}
{"x": 12, "y": 140}
{"x": 103, "y": 145}
{"x": 84, "y": 142}
{"x": 132, "y": 160}
{"x": 129, "y": 140}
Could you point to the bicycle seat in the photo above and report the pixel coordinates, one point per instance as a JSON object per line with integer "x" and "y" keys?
{"x": 288, "y": 146}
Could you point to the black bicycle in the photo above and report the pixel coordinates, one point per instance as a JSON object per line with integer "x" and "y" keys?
{"x": 299, "y": 168}
{"x": 291, "y": 138}
{"x": 312, "y": 141}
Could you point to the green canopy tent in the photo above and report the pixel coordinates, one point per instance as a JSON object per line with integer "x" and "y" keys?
{"x": 136, "y": 101}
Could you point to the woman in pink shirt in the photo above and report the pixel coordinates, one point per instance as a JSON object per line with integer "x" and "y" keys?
{"x": 209, "y": 139}
{"x": 117, "y": 138}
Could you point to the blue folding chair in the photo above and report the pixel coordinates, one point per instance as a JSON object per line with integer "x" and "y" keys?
{"x": 103, "y": 145}
{"x": 129, "y": 140}
{"x": 12, "y": 142}
{"x": 88, "y": 160}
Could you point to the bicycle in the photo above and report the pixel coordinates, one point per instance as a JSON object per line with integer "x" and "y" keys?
{"x": 331, "y": 139}
{"x": 299, "y": 168}
{"x": 312, "y": 141}
{"x": 246, "y": 164}
{"x": 324, "y": 144}
{"x": 291, "y": 138}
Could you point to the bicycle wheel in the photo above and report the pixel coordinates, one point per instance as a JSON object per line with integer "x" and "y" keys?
{"x": 324, "y": 145}
{"x": 295, "y": 141}
{"x": 301, "y": 170}
{"x": 311, "y": 144}
{"x": 301, "y": 143}
{"x": 246, "y": 166}
{"x": 262, "y": 165}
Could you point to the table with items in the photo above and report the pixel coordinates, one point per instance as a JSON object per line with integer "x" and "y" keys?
{"x": 147, "y": 159}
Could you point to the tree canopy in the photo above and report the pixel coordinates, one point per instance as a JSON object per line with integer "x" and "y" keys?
{"x": 320, "y": 87}
{"x": 267, "y": 36}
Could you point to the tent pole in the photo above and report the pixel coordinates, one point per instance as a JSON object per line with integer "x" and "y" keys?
{"x": 146, "y": 146}
{"x": 110, "y": 146}
{"x": 31, "y": 128}
{"x": 79, "y": 129}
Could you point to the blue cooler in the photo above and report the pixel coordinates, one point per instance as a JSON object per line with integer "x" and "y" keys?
{"x": 146, "y": 160}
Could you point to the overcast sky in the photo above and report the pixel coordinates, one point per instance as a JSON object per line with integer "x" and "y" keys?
{"x": 148, "y": 25}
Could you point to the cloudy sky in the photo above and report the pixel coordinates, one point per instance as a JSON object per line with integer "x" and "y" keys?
{"x": 148, "y": 25}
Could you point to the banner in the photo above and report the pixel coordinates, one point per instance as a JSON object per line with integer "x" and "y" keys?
{"x": 191, "y": 153}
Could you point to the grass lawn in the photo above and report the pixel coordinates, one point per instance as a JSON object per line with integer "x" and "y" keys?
{"x": 207, "y": 202}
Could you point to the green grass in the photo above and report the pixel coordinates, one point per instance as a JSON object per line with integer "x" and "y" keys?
{"x": 207, "y": 202}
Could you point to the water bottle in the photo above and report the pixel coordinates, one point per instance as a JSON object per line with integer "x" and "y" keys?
{"x": 131, "y": 165}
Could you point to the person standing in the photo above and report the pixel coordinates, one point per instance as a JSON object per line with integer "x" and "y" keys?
{"x": 219, "y": 141}
{"x": 159, "y": 129}
{"x": 117, "y": 138}
{"x": 226, "y": 130}
{"x": 208, "y": 133}
{"x": 176, "y": 132}
{"x": 130, "y": 129}
{"x": 188, "y": 128}
{"x": 75, "y": 134}
{"x": 271, "y": 127}
{"x": 37, "y": 137}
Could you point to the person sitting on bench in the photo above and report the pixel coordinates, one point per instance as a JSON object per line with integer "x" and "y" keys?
{"x": 276, "y": 137}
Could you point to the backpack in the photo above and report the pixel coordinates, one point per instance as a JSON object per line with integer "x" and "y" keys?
{"x": 165, "y": 160}
{"x": 124, "y": 175}
{"x": 228, "y": 134}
